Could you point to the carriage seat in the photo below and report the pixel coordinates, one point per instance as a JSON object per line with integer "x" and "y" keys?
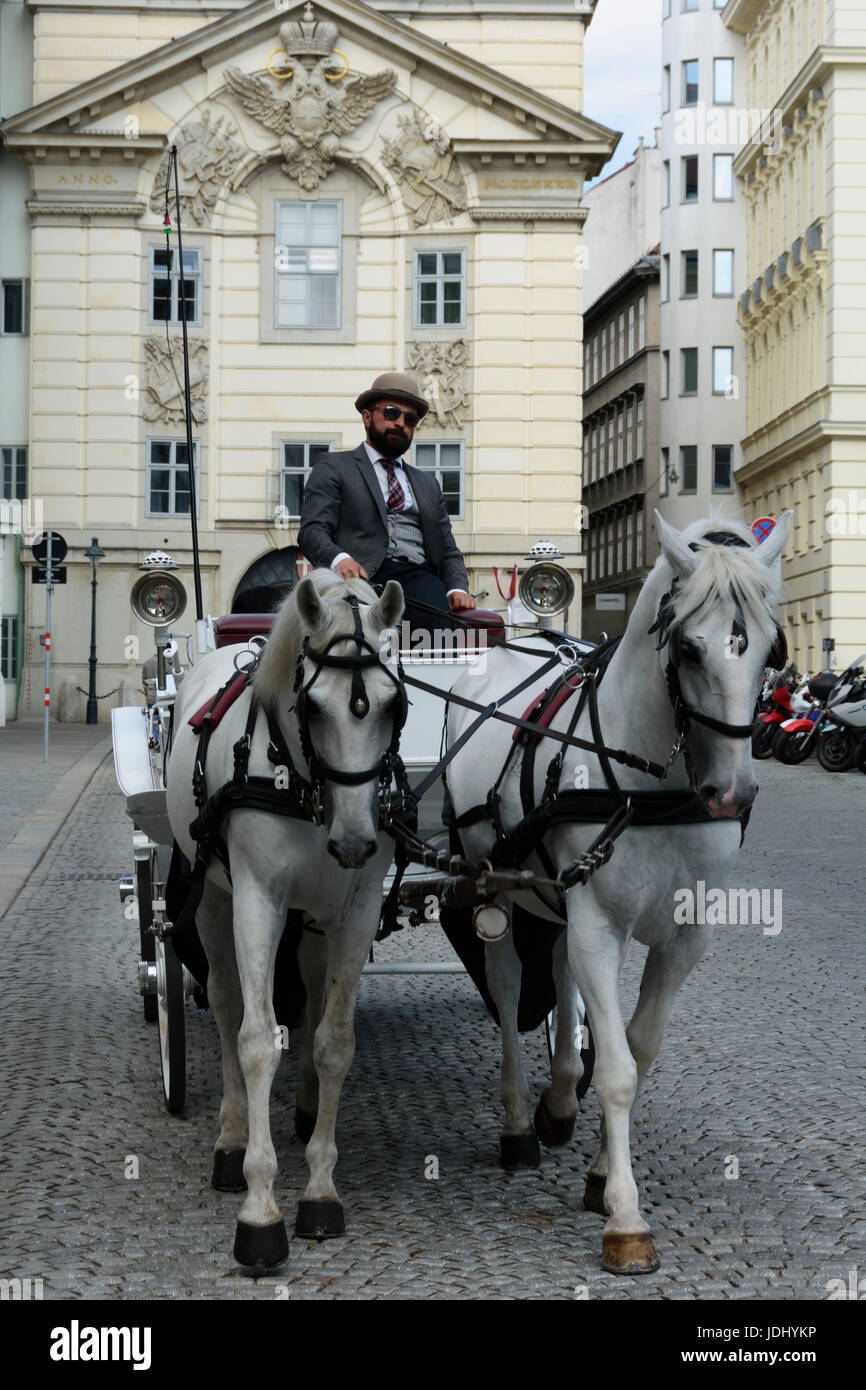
{"x": 240, "y": 627}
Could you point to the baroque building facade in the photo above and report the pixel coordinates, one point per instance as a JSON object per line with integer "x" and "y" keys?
{"x": 802, "y": 305}
{"x": 364, "y": 187}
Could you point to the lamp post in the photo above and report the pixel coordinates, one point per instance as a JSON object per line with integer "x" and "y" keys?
{"x": 94, "y": 553}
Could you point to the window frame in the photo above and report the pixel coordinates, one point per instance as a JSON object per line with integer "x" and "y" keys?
{"x": 728, "y": 348}
{"x": 684, "y": 264}
{"x": 683, "y": 389}
{"x": 686, "y": 64}
{"x": 173, "y": 467}
{"x": 14, "y": 462}
{"x": 439, "y": 278}
{"x": 24, "y": 330}
{"x": 9, "y": 635}
{"x": 727, "y": 198}
{"x": 437, "y": 469}
{"x": 307, "y": 327}
{"x": 717, "y": 100}
{"x": 685, "y": 160}
{"x": 174, "y": 320}
{"x": 689, "y": 491}
{"x": 723, "y": 251}
{"x": 730, "y": 487}
{"x": 285, "y": 470}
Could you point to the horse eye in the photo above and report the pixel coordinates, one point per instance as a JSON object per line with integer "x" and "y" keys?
{"x": 690, "y": 651}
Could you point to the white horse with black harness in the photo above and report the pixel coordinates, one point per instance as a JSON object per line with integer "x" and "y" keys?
{"x": 711, "y": 605}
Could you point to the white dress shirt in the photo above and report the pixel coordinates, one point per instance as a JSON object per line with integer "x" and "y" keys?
{"x": 376, "y": 459}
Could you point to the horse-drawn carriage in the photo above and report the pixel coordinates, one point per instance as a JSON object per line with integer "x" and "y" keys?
{"x": 260, "y": 858}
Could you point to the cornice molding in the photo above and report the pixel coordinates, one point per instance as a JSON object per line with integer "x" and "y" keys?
{"x": 37, "y": 208}
{"x": 742, "y": 15}
{"x": 806, "y": 89}
{"x": 526, "y": 212}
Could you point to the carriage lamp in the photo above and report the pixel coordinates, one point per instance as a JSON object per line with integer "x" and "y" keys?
{"x": 158, "y": 598}
{"x": 94, "y": 553}
{"x": 546, "y": 587}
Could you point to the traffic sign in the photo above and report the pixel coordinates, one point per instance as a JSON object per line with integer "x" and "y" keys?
{"x": 58, "y": 548}
{"x": 762, "y": 528}
{"x": 40, "y": 574}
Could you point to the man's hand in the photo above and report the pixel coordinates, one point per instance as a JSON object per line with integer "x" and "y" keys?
{"x": 460, "y": 600}
{"x": 350, "y": 569}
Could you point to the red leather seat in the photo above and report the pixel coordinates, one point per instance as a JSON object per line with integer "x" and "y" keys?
{"x": 240, "y": 627}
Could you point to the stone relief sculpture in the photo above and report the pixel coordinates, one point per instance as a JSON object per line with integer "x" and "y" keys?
{"x": 207, "y": 156}
{"x": 442, "y": 373}
{"x": 311, "y": 114}
{"x": 162, "y": 393}
{"x": 421, "y": 159}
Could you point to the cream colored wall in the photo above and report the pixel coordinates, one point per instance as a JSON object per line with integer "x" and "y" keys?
{"x": 72, "y": 46}
{"x": 545, "y": 53}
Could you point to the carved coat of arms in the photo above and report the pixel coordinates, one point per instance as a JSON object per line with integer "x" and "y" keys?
{"x": 207, "y": 156}
{"x": 431, "y": 181}
{"x": 442, "y": 373}
{"x": 162, "y": 393}
{"x": 312, "y": 113}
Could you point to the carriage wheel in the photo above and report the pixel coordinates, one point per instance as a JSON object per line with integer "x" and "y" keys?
{"x": 587, "y": 1050}
{"x": 172, "y": 1035}
{"x": 143, "y": 891}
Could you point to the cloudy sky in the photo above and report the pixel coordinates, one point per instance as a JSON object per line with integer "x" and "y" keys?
{"x": 623, "y": 72}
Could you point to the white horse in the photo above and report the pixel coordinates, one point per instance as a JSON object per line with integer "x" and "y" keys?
{"x": 718, "y": 601}
{"x": 332, "y": 872}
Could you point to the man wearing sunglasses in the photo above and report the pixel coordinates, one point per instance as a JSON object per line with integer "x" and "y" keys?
{"x": 367, "y": 513}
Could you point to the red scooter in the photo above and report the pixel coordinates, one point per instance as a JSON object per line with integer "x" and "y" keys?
{"x": 768, "y": 724}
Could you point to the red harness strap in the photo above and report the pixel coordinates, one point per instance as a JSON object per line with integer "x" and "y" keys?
{"x": 217, "y": 705}
{"x": 546, "y": 717}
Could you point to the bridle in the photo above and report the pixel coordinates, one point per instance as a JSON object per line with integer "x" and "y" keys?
{"x": 364, "y": 658}
{"x": 685, "y": 714}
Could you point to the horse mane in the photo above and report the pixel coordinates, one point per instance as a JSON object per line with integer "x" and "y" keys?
{"x": 727, "y": 572}
{"x": 276, "y": 671}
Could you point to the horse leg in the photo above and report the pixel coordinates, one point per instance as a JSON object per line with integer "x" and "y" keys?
{"x": 596, "y": 954}
{"x": 557, "y": 1109}
{"x": 320, "y": 1211}
{"x": 313, "y": 960}
{"x": 214, "y": 923}
{"x": 518, "y": 1144}
{"x": 258, "y": 926}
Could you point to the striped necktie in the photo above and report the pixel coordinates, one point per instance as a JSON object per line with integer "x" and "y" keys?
{"x": 396, "y": 496}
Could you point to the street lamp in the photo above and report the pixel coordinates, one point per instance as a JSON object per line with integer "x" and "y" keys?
{"x": 94, "y": 553}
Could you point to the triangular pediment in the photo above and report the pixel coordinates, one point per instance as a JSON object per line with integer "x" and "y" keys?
{"x": 244, "y": 37}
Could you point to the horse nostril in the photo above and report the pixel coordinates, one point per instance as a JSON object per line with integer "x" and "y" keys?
{"x": 370, "y": 850}
{"x": 708, "y": 791}
{"x": 332, "y": 849}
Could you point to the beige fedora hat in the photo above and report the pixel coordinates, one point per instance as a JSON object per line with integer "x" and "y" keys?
{"x": 397, "y": 384}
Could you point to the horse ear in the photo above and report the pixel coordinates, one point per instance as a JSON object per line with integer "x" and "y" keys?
{"x": 388, "y": 610}
{"x": 771, "y": 549}
{"x": 310, "y": 606}
{"x": 676, "y": 551}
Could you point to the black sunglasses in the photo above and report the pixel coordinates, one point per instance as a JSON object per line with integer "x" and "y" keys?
{"x": 393, "y": 412}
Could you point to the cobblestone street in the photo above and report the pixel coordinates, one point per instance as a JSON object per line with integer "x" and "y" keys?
{"x": 763, "y": 1062}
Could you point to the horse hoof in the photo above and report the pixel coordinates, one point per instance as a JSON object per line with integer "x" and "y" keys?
{"x": 628, "y": 1254}
{"x": 228, "y": 1170}
{"x": 261, "y": 1245}
{"x": 519, "y": 1151}
{"x": 305, "y": 1123}
{"x": 593, "y": 1193}
{"x": 552, "y": 1132}
{"x": 319, "y": 1220}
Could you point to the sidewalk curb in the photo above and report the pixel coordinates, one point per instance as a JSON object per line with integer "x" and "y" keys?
{"x": 23, "y": 854}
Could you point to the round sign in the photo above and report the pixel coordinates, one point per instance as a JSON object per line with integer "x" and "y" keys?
{"x": 762, "y": 528}
{"x": 58, "y": 548}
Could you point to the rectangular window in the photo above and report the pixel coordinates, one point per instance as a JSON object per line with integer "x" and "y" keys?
{"x": 604, "y": 351}
{"x": 723, "y": 81}
{"x": 621, "y": 335}
{"x": 641, "y": 323}
{"x": 639, "y": 439}
{"x": 307, "y": 264}
{"x": 666, "y": 278}
{"x": 609, "y": 533}
{"x": 9, "y": 649}
{"x": 440, "y": 289}
{"x": 690, "y": 178}
{"x": 168, "y": 478}
{"x": 611, "y": 457}
{"x": 690, "y": 82}
{"x": 629, "y": 541}
{"x": 594, "y": 357}
{"x": 664, "y": 476}
{"x": 591, "y": 558}
{"x": 631, "y": 338}
{"x": 689, "y": 357}
{"x": 16, "y": 307}
{"x": 666, "y": 9}
{"x": 620, "y": 437}
{"x": 666, "y": 183}
{"x": 638, "y": 541}
{"x": 14, "y": 480}
{"x": 619, "y": 530}
{"x": 169, "y": 291}
{"x": 666, "y": 88}
{"x": 723, "y": 370}
{"x": 689, "y": 468}
{"x": 723, "y": 474}
{"x": 689, "y": 5}
{"x": 666, "y": 375}
{"x": 723, "y": 272}
{"x": 629, "y": 434}
{"x": 444, "y": 459}
{"x": 723, "y": 177}
{"x": 296, "y": 460}
{"x": 689, "y": 287}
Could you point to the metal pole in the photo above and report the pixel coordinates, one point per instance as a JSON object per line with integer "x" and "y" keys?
{"x": 49, "y": 586}
{"x": 92, "y": 707}
{"x": 190, "y": 458}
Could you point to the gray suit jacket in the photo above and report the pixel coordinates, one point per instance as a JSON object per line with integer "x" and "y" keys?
{"x": 344, "y": 510}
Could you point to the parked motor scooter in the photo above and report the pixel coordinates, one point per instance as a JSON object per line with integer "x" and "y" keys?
{"x": 769, "y": 721}
{"x": 844, "y": 720}
{"x": 798, "y": 736}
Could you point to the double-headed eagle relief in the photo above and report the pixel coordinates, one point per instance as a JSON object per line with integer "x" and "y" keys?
{"x": 312, "y": 113}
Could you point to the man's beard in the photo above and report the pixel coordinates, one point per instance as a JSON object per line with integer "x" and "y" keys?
{"x": 387, "y": 442}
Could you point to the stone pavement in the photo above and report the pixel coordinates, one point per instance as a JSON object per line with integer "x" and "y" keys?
{"x": 761, "y": 1073}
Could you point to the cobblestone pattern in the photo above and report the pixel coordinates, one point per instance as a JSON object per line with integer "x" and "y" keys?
{"x": 763, "y": 1060}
